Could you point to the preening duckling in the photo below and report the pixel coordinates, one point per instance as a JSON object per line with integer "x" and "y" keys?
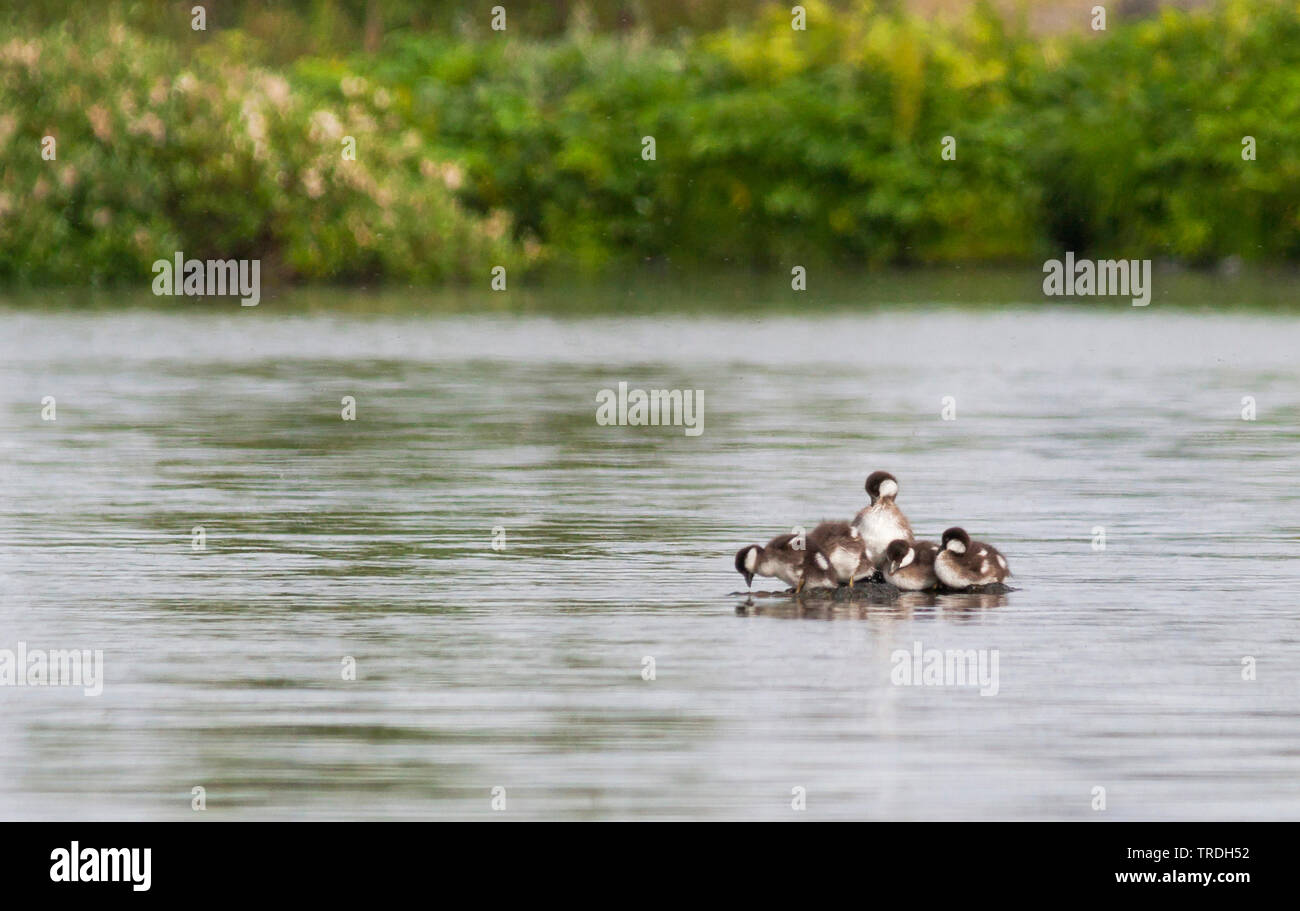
{"x": 882, "y": 521}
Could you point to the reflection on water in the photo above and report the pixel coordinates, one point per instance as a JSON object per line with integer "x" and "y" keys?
{"x": 526, "y": 668}
{"x": 950, "y": 605}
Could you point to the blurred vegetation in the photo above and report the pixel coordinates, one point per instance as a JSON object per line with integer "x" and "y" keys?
{"x": 524, "y": 148}
{"x": 160, "y": 152}
{"x": 1135, "y": 142}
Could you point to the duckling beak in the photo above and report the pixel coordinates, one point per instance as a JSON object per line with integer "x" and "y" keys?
{"x": 749, "y": 580}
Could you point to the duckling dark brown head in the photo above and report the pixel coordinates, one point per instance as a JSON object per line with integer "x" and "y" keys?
{"x": 896, "y": 553}
{"x": 881, "y": 485}
{"x": 956, "y": 540}
{"x": 747, "y": 562}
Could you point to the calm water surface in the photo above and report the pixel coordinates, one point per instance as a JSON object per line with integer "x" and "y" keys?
{"x": 522, "y": 668}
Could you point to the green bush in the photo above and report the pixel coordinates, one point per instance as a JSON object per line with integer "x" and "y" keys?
{"x": 158, "y": 152}
{"x": 773, "y": 146}
{"x": 1136, "y": 140}
{"x": 770, "y": 143}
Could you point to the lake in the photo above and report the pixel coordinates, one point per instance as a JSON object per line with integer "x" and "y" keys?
{"x": 1152, "y": 648}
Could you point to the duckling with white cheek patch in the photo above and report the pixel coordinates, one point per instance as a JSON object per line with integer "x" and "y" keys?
{"x": 963, "y": 563}
{"x": 779, "y": 559}
{"x": 911, "y": 566}
{"x": 842, "y": 545}
{"x": 882, "y": 521}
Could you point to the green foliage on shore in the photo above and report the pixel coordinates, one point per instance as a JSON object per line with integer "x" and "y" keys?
{"x": 1135, "y": 141}
{"x": 157, "y": 153}
{"x": 772, "y": 146}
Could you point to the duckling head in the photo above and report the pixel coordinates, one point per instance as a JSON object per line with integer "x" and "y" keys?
{"x": 956, "y": 540}
{"x": 747, "y": 562}
{"x": 899, "y": 554}
{"x": 881, "y": 485}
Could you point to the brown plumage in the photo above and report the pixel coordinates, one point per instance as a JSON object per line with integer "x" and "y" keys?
{"x": 910, "y": 566}
{"x": 777, "y": 559}
{"x": 962, "y": 563}
{"x": 882, "y": 521}
{"x": 818, "y": 571}
{"x": 843, "y": 547}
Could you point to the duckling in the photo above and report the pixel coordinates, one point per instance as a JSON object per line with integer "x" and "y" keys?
{"x": 882, "y": 521}
{"x": 842, "y": 545}
{"x": 962, "y": 562}
{"x": 911, "y": 566}
{"x": 818, "y": 571}
{"x": 780, "y": 558}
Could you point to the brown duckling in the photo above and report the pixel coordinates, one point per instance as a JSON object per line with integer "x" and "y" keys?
{"x": 781, "y": 558}
{"x": 882, "y": 521}
{"x": 910, "y": 566}
{"x": 962, "y": 562}
{"x": 818, "y": 571}
{"x": 842, "y": 545}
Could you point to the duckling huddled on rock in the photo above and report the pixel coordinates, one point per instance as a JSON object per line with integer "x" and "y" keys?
{"x": 963, "y": 563}
{"x": 910, "y": 565}
{"x": 842, "y": 545}
{"x": 878, "y": 540}
{"x": 818, "y": 572}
